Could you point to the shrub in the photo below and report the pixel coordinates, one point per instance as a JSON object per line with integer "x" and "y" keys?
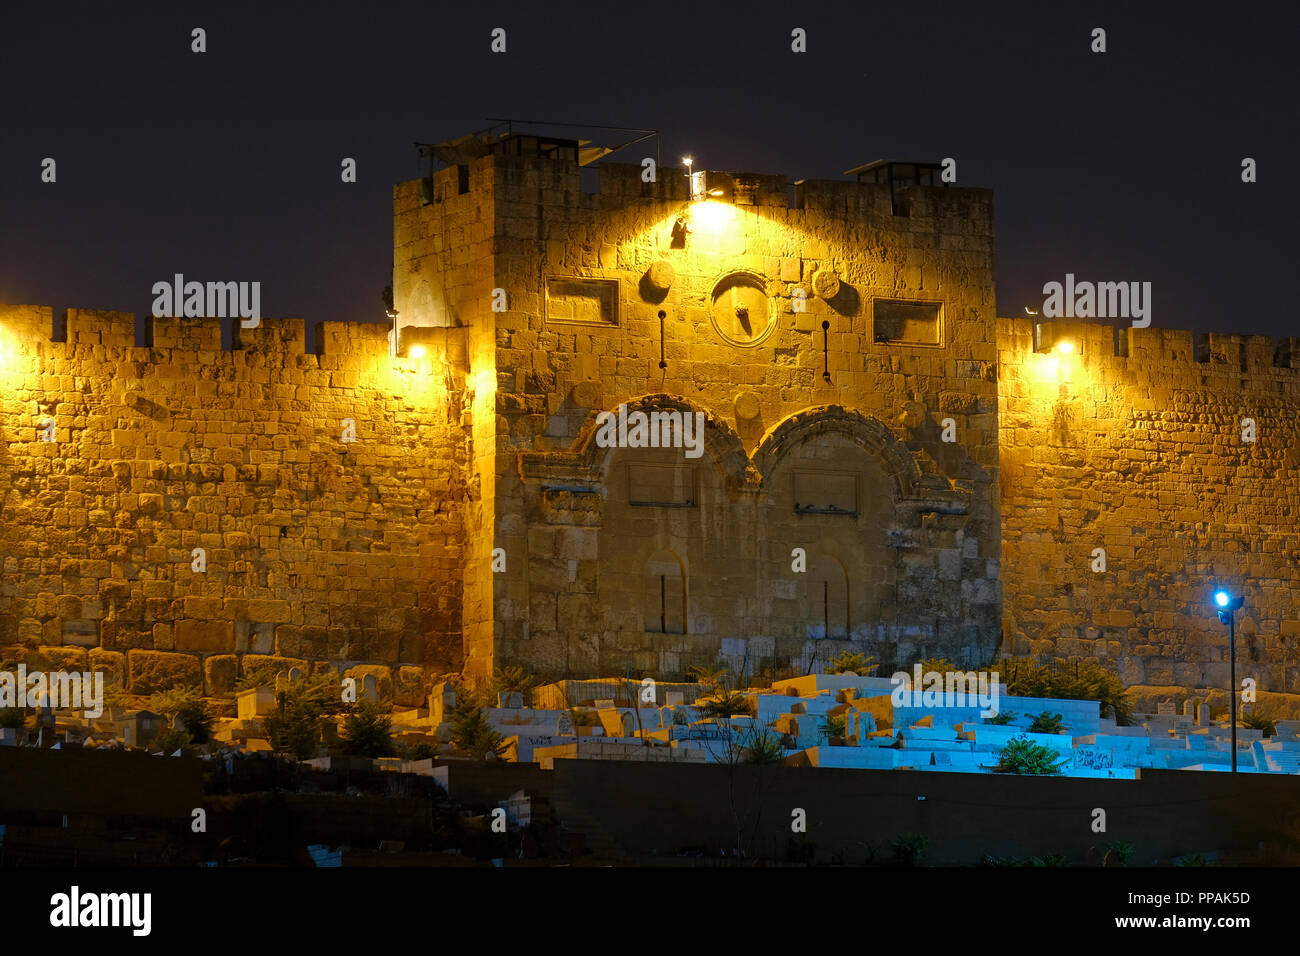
{"x": 367, "y": 730}
{"x": 1119, "y": 852}
{"x": 1022, "y": 755}
{"x": 1068, "y": 680}
{"x": 850, "y": 662}
{"x": 170, "y": 702}
{"x": 710, "y": 675}
{"x": 295, "y": 727}
{"x": 1192, "y": 859}
{"x": 1002, "y": 718}
{"x": 13, "y": 717}
{"x": 198, "y": 722}
{"x": 725, "y": 706}
{"x": 939, "y": 665}
{"x": 907, "y": 848}
{"x": 1260, "y": 720}
{"x": 1046, "y": 723}
{"x": 170, "y": 741}
{"x": 472, "y": 733}
{"x": 512, "y": 680}
{"x": 763, "y": 748}
{"x": 420, "y": 750}
{"x": 835, "y": 726}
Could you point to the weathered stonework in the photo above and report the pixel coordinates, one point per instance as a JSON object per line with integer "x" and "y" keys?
{"x": 826, "y": 511}
{"x": 315, "y": 548}
{"x": 1141, "y": 454}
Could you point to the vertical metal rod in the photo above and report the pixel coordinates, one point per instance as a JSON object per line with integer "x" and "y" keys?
{"x": 826, "y": 345}
{"x": 1232, "y": 655}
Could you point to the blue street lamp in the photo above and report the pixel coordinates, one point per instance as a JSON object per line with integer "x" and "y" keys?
{"x": 1228, "y": 605}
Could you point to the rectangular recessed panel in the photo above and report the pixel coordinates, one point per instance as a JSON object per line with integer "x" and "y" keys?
{"x": 582, "y": 301}
{"x": 824, "y": 492}
{"x": 659, "y": 485}
{"x": 911, "y": 323}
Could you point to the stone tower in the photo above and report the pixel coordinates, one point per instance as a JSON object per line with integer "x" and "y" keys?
{"x": 836, "y": 338}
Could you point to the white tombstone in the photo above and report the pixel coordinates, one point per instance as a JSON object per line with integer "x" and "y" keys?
{"x": 564, "y": 725}
{"x": 515, "y": 700}
{"x": 674, "y": 698}
{"x": 370, "y": 687}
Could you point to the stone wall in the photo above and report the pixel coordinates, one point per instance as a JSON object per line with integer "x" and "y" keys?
{"x": 316, "y": 549}
{"x": 1141, "y": 453}
{"x": 911, "y": 568}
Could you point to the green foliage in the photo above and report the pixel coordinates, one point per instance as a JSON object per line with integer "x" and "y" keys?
{"x": 680, "y": 716}
{"x": 940, "y": 665}
{"x": 907, "y": 848}
{"x": 1022, "y": 755}
{"x": 420, "y": 750}
{"x": 713, "y": 676}
{"x": 1260, "y": 720}
{"x": 581, "y": 717}
{"x": 1192, "y": 859}
{"x": 763, "y": 747}
{"x": 260, "y": 675}
{"x": 170, "y": 741}
{"x": 835, "y": 725}
{"x": 114, "y": 695}
{"x": 198, "y": 722}
{"x": 367, "y": 730}
{"x": 300, "y": 712}
{"x": 1047, "y": 723}
{"x": 12, "y": 717}
{"x": 512, "y": 680}
{"x": 171, "y": 702}
{"x": 1118, "y": 852}
{"x": 1002, "y": 718}
{"x": 473, "y": 734}
{"x": 849, "y": 662}
{"x": 1068, "y": 680}
{"x": 1053, "y": 859}
{"x": 725, "y": 705}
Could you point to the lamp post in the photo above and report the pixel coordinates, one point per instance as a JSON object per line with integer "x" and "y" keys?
{"x": 1229, "y": 605}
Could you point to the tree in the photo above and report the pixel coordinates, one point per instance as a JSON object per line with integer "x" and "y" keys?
{"x": 849, "y": 662}
{"x": 301, "y": 708}
{"x": 367, "y": 730}
{"x": 1022, "y": 755}
{"x": 197, "y": 722}
{"x": 1047, "y": 723}
{"x": 712, "y": 676}
{"x": 472, "y": 733}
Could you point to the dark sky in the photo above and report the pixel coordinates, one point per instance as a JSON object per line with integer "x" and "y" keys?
{"x": 225, "y": 165}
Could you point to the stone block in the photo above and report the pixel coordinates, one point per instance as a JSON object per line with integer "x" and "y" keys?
{"x": 216, "y": 636}
{"x": 220, "y": 672}
{"x": 151, "y": 671}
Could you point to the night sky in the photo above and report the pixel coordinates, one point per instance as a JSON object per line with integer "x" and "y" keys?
{"x": 1123, "y": 166}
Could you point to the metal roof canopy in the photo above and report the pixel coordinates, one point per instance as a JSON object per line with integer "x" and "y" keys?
{"x": 463, "y": 149}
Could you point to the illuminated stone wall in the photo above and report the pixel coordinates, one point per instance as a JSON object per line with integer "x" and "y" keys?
{"x": 1142, "y": 455}
{"x": 599, "y": 581}
{"x": 316, "y": 549}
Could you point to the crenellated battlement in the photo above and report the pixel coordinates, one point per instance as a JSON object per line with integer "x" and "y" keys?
{"x": 280, "y": 341}
{"x": 1142, "y": 352}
